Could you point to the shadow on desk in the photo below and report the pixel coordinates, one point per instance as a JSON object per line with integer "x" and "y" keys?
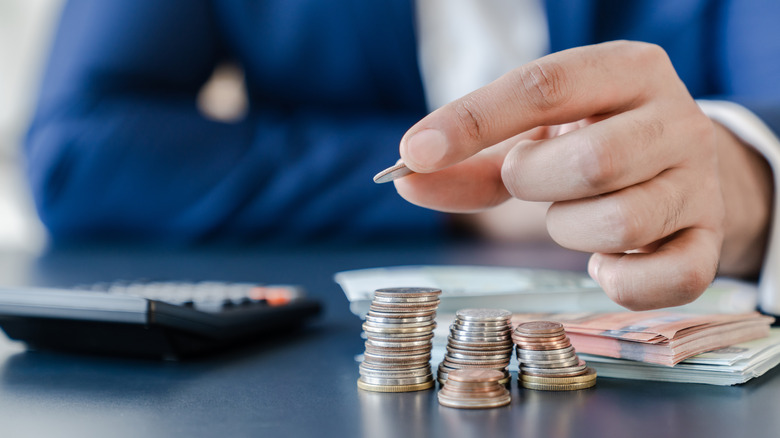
{"x": 66, "y": 373}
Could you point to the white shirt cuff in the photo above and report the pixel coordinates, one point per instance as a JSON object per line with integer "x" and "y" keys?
{"x": 752, "y": 130}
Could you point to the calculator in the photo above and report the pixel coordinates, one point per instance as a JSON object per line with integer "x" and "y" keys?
{"x": 168, "y": 320}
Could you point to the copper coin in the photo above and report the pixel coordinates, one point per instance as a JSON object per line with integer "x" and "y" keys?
{"x": 538, "y": 340}
{"x": 475, "y": 375}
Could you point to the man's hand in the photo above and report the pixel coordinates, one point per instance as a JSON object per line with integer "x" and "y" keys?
{"x": 610, "y": 135}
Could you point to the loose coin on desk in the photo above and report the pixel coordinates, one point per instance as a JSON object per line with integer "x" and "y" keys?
{"x": 398, "y": 329}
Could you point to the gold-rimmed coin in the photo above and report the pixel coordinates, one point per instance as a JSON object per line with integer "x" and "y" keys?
{"x": 590, "y": 374}
{"x": 396, "y": 381}
{"x": 561, "y": 387}
{"x": 395, "y": 388}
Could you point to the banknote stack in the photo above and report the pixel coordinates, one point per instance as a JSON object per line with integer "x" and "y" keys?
{"x": 474, "y": 388}
{"x": 547, "y": 359}
{"x": 660, "y": 337}
{"x": 479, "y": 338}
{"x": 398, "y": 329}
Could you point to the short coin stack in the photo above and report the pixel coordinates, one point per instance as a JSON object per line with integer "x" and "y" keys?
{"x": 547, "y": 359}
{"x": 474, "y": 388}
{"x": 399, "y": 328}
{"x": 479, "y": 338}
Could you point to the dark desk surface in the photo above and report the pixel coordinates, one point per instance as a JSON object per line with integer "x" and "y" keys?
{"x": 305, "y": 385}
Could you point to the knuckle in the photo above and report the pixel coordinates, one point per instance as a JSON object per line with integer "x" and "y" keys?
{"x": 617, "y": 289}
{"x": 513, "y": 176}
{"x": 646, "y": 54}
{"x": 676, "y": 206}
{"x": 623, "y": 226}
{"x": 543, "y": 83}
{"x": 470, "y": 121}
{"x": 694, "y": 282}
{"x": 596, "y": 163}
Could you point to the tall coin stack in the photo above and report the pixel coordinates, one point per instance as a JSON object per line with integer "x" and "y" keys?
{"x": 399, "y": 328}
{"x": 479, "y": 338}
{"x": 474, "y": 388}
{"x": 547, "y": 359}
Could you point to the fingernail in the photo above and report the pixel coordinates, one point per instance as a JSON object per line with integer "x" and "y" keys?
{"x": 425, "y": 149}
{"x": 593, "y": 267}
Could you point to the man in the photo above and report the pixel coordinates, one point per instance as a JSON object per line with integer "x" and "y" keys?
{"x": 609, "y": 133}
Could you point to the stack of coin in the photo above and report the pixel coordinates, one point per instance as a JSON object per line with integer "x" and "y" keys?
{"x": 479, "y": 338}
{"x": 399, "y": 328}
{"x": 474, "y": 388}
{"x": 547, "y": 359}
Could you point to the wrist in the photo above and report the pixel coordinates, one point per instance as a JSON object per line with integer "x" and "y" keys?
{"x": 747, "y": 188}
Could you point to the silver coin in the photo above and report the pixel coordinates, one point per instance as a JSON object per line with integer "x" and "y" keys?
{"x": 392, "y": 338}
{"x": 483, "y": 314}
{"x": 495, "y": 331}
{"x": 393, "y": 366}
{"x": 552, "y": 364}
{"x": 552, "y": 371}
{"x": 397, "y": 381}
{"x": 459, "y": 366}
{"x": 486, "y": 325}
{"x": 468, "y": 337}
{"x": 407, "y": 291}
{"x": 375, "y": 324}
{"x": 406, "y": 306}
{"x": 422, "y": 299}
{"x": 479, "y": 346}
{"x": 411, "y": 310}
{"x": 403, "y": 315}
{"x": 366, "y": 370}
{"x": 506, "y": 357}
{"x": 474, "y": 404}
{"x": 368, "y": 328}
{"x": 545, "y": 354}
{"x": 480, "y": 362}
{"x": 381, "y": 320}
{"x": 396, "y": 336}
{"x": 392, "y": 173}
{"x": 396, "y": 358}
{"x": 481, "y": 339}
{"x": 383, "y": 344}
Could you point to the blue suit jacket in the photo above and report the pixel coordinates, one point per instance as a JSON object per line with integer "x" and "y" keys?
{"x": 118, "y": 148}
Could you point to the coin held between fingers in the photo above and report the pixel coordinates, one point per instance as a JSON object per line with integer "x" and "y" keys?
{"x": 392, "y": 173}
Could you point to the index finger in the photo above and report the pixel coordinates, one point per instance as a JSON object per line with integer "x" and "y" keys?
{"x": 559, "y": 88}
